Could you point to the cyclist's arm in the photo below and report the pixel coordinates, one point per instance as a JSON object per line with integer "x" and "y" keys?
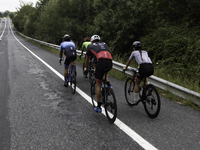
{"x": 86, "y": 62}
{"x": 82, "y": 48}
{"x": 128, "y": 63}
{"x": 61, "y": 52}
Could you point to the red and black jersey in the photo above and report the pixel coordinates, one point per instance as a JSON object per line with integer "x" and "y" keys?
{"x": 99, "y": 49}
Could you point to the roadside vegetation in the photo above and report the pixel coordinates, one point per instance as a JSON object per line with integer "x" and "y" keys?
{"x": 168, "y": 29}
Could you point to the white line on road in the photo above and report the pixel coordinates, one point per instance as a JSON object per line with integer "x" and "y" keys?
{"x": 3, "y": 29}
{"x": 136, "y": 137}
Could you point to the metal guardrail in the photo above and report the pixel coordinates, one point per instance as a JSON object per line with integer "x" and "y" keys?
{"x": 158, "y": 82}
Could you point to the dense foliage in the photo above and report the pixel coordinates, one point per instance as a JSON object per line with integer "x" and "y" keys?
{"x": 168, "y": 29}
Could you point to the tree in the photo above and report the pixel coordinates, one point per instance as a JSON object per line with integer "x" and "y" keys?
{"x": 22, "y": 15}
{"x": 6, "y": 13}
{"x": 11, "y": 15}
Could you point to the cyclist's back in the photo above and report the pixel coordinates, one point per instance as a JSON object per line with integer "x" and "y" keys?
{"x": 85, "y": 45}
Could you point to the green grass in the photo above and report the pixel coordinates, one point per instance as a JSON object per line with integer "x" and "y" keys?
{"x": 182, "y": 81}
{"x": 158, "y": 72}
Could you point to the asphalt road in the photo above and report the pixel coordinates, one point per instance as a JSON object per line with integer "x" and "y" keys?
{"x": 38, "y": 112}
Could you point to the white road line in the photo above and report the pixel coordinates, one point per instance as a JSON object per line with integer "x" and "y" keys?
{"x": 136, "y": 137}
{"x": 3, "y": 29}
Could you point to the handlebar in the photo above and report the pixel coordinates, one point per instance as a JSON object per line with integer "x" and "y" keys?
{"x": 60, "y": 60}
{"x": 135, "y": 71}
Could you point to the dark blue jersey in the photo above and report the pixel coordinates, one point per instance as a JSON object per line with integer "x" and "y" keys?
{"x": 67, "y": 46}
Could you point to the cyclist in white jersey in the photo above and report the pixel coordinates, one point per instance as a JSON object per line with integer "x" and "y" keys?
{"x": 145, "y": 66}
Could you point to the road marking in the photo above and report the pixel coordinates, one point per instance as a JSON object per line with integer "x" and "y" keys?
{"x": 136, "y": 137}
{"x": 3, "y": 29}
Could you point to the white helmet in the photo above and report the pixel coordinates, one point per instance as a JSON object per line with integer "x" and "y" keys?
{"x": 95, "y": 37}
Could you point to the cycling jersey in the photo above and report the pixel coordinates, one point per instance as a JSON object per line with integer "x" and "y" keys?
{"x": 103, "y": 57}
{"x": 85, "y": 45}
{"x": 67, "y": 46}
{"x": 69, "y": 50}
{"x": 140, "y": 58}
{"x": 100, "y": 50}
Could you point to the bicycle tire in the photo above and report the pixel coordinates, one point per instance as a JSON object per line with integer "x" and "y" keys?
{"x": 93, "y": 92}
{"x": 91, "y": 74}
{"x": 110, "y": 106}
{"x": 83, "y": 69}
{"x": 152, "y": 101}
{"x": 73, "y": 82}
{"x": 129, "y": 91}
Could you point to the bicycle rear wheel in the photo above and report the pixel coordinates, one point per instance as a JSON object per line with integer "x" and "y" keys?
{"x": 110, "y": 105}
{"x": 91, "y": 73}
{"x": 152, "y": 102}
{"x": 73, "y": 82}
{"x": 83, "y": 68}
{"x": 129, "y": 91}
{"x": 93, "y": 92}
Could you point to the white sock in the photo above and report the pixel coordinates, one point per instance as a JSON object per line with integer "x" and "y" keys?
{"x": 147, "y": 83}
{"x": 136, "y": 96}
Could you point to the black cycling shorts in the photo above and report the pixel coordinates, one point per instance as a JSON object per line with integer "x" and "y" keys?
{"x": 145, "y": 70}
{"x": 102, "y": 65}
{"x": 69, "y": 59}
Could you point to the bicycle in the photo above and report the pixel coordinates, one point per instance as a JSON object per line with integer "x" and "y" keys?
{"x": 148, "y": 94}
{"x": 90, "y": 67}
{"x": 71, "y": 77}
{"x": 108, "y": 99}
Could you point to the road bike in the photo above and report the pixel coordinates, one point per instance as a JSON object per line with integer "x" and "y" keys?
{"x": 108, "y": 99}
{"x": 148, "y": 94}
{"x": 90, "y": 69}
{"x": 72, "y": 77}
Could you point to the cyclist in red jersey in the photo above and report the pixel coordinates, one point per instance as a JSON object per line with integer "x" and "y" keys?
{"x": 103, "y": 60}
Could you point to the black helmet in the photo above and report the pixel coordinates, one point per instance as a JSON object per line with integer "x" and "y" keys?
{"x": 66, "y": 37}
{"x": 137, "y": 44}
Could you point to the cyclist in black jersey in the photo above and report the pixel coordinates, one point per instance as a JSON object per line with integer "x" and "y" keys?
{"x": 103, "y": 60}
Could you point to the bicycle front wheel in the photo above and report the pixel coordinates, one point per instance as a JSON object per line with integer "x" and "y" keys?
{"x": 111, "y": 106}
{"x": 129, "y": 90}
{"x": 93, "y": 92}
{"x": 73, "y": 83}
{"x": 152, "y": 102}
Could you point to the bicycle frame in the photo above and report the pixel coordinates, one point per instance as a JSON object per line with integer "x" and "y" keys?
{"x": 143, "y": 88}
{"x": 149, "y": 96}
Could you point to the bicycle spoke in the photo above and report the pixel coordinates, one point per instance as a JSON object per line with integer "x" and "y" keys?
{"x": 111, "y": 107}
{"x": 129, "y": 91}
{"x": 152, "y": 102}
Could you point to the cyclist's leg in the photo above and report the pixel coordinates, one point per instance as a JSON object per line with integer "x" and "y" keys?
{"x": 150, "y": 72}
{"x": 66, "y": 64}
{"x": 94, "y": 60}
{"x": 108, "y": 66}
{"x": 98, "y": 77}
{"x": 98, "y": 91}
{"x": 73, "y": 64}
{"x": 137, "y": 83}
{"x": 66, "y": 75}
